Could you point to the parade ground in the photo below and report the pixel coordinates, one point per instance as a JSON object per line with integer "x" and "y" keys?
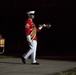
{"x": 14, "y": 66}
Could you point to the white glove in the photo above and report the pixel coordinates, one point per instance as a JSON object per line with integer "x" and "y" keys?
{"x": 29, "y": 38}
{"x": 44, "y": 25}
{"x": 40, "y": 27}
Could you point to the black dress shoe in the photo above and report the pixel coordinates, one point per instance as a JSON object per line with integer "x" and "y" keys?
{"x": 35, "y": 63}
{"x": 23, "y": 60}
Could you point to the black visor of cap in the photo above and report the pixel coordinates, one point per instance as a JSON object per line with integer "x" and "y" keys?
{"x": 31, "y": 14}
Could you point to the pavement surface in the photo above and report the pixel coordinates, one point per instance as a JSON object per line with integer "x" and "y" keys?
{"x": 14, "y": 66}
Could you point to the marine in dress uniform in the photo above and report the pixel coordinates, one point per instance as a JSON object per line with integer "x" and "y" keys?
{"x": 31, "y": 36}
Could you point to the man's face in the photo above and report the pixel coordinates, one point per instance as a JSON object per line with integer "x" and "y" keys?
{"x": 32, "y": 16}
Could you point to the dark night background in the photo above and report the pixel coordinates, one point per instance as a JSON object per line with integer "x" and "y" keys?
{"x": 58, "y": 40}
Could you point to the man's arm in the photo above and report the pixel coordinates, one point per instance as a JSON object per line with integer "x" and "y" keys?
{"x": 40, "y": 27}
{"x": 27, "y": 29}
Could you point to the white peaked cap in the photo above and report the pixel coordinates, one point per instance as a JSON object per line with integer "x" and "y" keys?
{"x": 30, "y": 12}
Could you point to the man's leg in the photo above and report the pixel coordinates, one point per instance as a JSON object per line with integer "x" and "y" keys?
{"x": 31, "y": 50}
{"x": 28, "y": 54}
{"x": 33, "y": 56}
